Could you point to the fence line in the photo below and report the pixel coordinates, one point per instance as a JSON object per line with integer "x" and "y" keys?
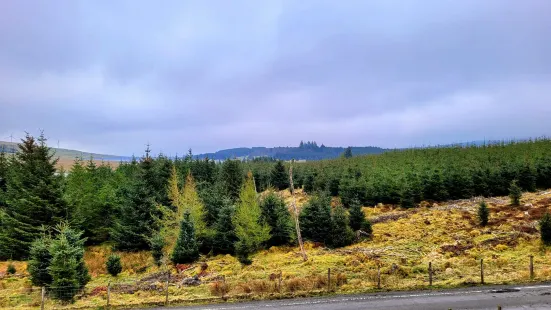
{"x": 334, "y": 278}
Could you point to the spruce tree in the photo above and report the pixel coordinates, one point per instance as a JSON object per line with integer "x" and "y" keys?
{"x": 4, "y": 165}
{"x": 250, "y": 230}
{"x": 347, "y": 153}
{"x": 192, "y": 203}
{"x": 315, "y": 219}
{"x": 545, "y": 229}
{"x": 76, "y": 241}
{"x": 279, "y": 177}
{"x": 113, "y": 265}
{"x": 138, "y": 217}
{"x": 224, "y": 236}
{"x": 186, "y": 249}
{"x": 357, "y": 216}
{"x": 33, "y": 197}
{"x": 515, "y": 193}
{"x": 352, "y": 187}
{"x": 39, "y": 261}
{"x": 341, "y": 233}
{"x": 309, "y": 183}
{"x": 157, "y": 244}
{"x": 231, "y": 177}
{"x": 277, "y": 216}
{"x": 483, "y": 213}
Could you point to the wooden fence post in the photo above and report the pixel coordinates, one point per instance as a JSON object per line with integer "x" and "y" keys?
{"x": 328, "y": 279}
{"x": 166, "y": 296}
{"x": 531, "y": 267}
{"x": 42, "y": 295}
{"x": 482, "y": 271}
{"x": 108, "y": 294}
{"x": 430, "y": 273}
{"x": 280, "y": 279}
{"x": 379, "y": 276}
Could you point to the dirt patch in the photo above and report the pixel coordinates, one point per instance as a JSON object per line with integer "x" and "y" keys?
{"x": 389, "y": 217}
{"x": 456, "y": 249}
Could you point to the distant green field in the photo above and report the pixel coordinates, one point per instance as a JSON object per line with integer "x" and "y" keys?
{"x": 66, "y": 154}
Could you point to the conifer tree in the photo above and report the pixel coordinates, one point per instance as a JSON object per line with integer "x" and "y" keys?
{"x": 352, "y": 187}
{"x": 341, "y": 233}
{"x": 113, "y": 265}
{"x": 357, "y": 216}
{"x": 3, "y": 178}
{"x": 545, "y": 229}
{"x": 277, "y": 216}
{"x": 186, "y": 249}
{"x": 231, "y": 177}
{"x": 251, "y": 232}
{"x": 157, "y": 243}
{"x": 515, "y": 193}
{"x": 309, "y": 183}
{"x": 192, "y": 203}
{"x": 483, "y": 213}
{"x": 315, "y": 219}
{"x": 527, "y": 178}
{"x": 224, "y": 237}
{"x": 279, "y": 177}
{"x": 39, "y": 261}
{"x": 173, "y": 190}
{"x": 139, "y": 215}
{"x": 347, "y": 153}
{"x": 33, "y": 197}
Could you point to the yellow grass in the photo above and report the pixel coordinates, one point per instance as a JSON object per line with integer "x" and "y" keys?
{"x": 403, "y": 245}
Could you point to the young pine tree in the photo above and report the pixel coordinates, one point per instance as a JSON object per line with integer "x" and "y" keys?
{"x": 515, "y": 193}
{"x": 483, "y": 213}
{"x": 341, "y": 233}
{"x": 251, "y": 232}
{"x": 545, "y": 229}
{"x": 279, "y": 177}
{"x": 277, "y": 216}
{"x": 63, "y": 269}
{"x": 77, "y": 245}
{"x": 224, "y": 236}
{"x": 315, "y": 219}
{"x": 39, "y": 261}
{"x": 186, "y": 249}
{"x": 139, "y": 215}
{"x": 157, "y": 244}
{"x": 33, "y": 197}
{"x": 192, "y": 203}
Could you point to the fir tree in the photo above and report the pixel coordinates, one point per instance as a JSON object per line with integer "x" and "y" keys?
{"x": 113, "y": 265}
{"x": 347, "y": 153}
{"x": 333, "y": 186}
{"x": 315, "y": 219}
{"x": 483, "y": 213}
{"x": 277, "y": 216}
{"x": 279, "y": 177}
{"x": 352, "y": 187}
{"x": 3, "y": 178}
{"x": 341, "y": 233}
{"x": 224, "y": 237}
{"x": 357, "y": 216}
{"x": 77, "y": 243}
{"x": 11, "y": 269}
{"x": 33, "y": 197}
{"x": 192, "y": 203}
{"x": 139, "y": 216}
{"x": 251, "y": 232}
{"x": 39, "y": 261}
{"x": 231, "y": 177}
{"x": 545, "y": 229}
{"x": 309, "y": 183}
{"x": 527, "y": 178}
{"x": 186, "y": 249}
{"x": 515, "y": 193}
{"x": 157, "y": 243}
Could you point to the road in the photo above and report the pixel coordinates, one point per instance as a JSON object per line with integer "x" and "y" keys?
{"x": 509, "y": 297}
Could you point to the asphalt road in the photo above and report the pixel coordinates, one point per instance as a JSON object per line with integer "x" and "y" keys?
{"x": 509, "y": 297}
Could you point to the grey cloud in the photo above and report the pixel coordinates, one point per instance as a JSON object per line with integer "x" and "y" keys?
{"x": 111, "y": 76}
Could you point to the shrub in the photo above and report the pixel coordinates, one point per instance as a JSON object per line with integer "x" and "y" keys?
{"x": 219, "y": 288}
{"x": 483, "y": 213}
{"x": 545, "y": 228}
{"x": 11, "y": 269}
{"x": 113, "y": 265}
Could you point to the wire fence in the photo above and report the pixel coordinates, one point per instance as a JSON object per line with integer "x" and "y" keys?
{"x": 163, "y": 288}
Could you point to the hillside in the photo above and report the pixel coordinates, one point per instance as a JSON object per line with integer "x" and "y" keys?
{"x": 67, "y": 156}
{"x": 306, "y": 151}
{"x": 404, "y": 242}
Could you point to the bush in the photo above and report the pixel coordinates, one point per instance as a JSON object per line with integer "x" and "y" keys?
{"x": 483, "y": 213}
{"x": 219, "y": 288}
{"x": 545, "y": 228}
{"x": 515, "y": 193}
{"x": 11, "y": 269}
{"x": 113, "y": 265}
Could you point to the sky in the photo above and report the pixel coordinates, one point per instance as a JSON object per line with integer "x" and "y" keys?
{"x": 112, "y": 76}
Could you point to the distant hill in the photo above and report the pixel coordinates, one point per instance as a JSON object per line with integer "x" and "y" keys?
{"x": 66, "y": 154}
{"x": 305, "y": 151}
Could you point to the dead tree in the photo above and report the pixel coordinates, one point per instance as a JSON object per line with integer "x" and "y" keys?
{"x": 297, "y": 224}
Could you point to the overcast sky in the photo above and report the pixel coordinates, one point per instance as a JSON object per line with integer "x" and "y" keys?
{"x": 111, "y": 76}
